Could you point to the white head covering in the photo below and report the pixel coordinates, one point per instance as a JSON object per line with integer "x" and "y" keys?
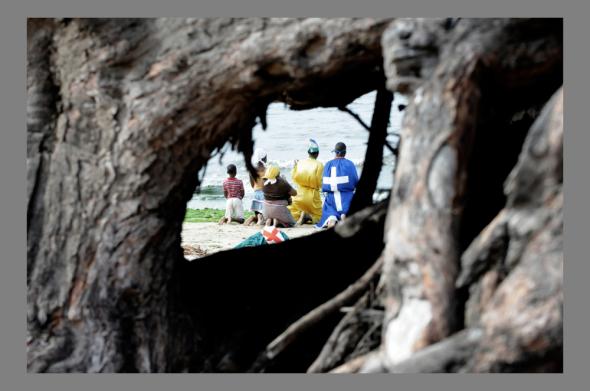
{"x": 258, "y": 155}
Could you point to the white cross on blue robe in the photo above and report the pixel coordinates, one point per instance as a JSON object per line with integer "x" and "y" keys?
{"x": 339, "y": 181}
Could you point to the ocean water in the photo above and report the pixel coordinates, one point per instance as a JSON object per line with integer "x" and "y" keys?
{"x": 287, "y": 137}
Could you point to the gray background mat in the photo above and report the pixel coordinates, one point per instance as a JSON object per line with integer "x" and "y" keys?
{"x": 13, "y": 374}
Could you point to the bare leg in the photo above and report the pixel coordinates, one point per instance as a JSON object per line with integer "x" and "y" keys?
{"x": 250, "y": 220}
{"x": 222, "y": 221}
{"x": 301, "y": 219}
{"x": 261, "y": 221}
{"x": 268, "y": 222}
{"x": 332, "y": 222}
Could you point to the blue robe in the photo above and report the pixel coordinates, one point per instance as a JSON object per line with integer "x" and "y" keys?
{"x": 338, "y": 183}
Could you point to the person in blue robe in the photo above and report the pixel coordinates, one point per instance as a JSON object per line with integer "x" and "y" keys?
{"x": 338, "y": 183}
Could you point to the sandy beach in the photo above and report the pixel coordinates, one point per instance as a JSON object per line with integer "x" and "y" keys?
{"x": 212, "y": 237}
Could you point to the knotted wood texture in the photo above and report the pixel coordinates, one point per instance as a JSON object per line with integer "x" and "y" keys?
{"x": 461, "y": 135}
{"x": 122, "y": 115}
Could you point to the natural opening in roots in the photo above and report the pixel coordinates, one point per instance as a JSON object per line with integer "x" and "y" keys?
{"x": 285, "y": 141}
{"x": 241, "y": 299}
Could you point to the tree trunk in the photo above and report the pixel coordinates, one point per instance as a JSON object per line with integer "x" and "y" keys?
{"x": 367, "y": 184}
{"x": 449, "y": 176}
{"x": 122, "y": 114}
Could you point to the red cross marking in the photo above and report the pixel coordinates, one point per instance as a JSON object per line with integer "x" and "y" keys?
{"x": 272, "y": 236}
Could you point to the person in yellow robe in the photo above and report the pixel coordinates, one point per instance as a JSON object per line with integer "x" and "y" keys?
{"x": 307, "y": 175}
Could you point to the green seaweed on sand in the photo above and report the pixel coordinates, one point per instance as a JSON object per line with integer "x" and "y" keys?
{"x": 207, "y": 215}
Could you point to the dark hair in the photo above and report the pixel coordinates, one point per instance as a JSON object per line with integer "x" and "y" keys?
{"x": 340, "y": 149}
{"x": 232, "y": 170}
{"x": 314, "y": 154}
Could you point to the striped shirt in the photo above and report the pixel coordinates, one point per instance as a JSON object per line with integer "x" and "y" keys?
{"x": 233, "y": 188}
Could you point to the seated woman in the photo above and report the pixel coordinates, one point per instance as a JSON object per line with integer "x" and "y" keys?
{"x": 277, "y": 195}
{"x": 259, "y": 162}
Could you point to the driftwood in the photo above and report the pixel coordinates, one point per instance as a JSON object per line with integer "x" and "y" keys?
{"x": 448, "y": 355}
{"x": 351, "y": 293}
{"x": 355, "y": 365}
{"x": 122, "y": 114}
{"x": 339, "y": 343}
{"x": 350, "y": 339}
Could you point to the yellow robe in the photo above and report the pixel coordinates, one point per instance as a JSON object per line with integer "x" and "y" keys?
{"x": 307, "y": 174}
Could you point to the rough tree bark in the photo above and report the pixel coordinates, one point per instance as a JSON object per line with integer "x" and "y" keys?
{"x": 448, "y": 186}
{"x": 122, "y": 113}
{"x": 514, "y": 268}
{"x": 514, "y": 271}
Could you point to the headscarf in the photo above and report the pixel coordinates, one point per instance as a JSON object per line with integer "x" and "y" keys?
{"x": 271, "y": 174}
{"x": 313, "y": 146}
{"x": 257, "y": 157}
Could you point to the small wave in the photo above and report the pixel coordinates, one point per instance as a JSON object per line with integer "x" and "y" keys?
{"x": 291, "y": 163}
{"x": 213, "y": 180}
{"x": 209, "y": 189}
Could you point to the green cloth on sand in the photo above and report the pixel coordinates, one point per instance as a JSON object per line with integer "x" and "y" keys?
{"x": 255, "y": 240}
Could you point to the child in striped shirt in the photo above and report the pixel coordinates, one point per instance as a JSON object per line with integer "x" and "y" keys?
{"x": 233, "y": 190}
